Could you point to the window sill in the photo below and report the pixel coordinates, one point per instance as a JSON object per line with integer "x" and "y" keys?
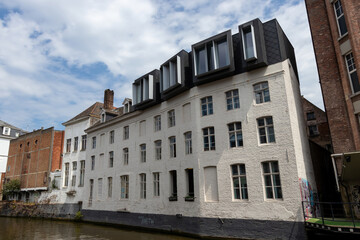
{"x": 189, "y": 199}
{"x": 342, "y": 37}
{"x": 173, "y": 198}
{"x": 267, "y": 144}
{"x": 354, "y": 94}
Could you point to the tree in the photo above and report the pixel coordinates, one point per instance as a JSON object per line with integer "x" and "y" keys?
{"x": 11, "y": 187}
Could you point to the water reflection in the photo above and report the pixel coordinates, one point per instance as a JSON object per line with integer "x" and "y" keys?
{"x": 29, "y": 229}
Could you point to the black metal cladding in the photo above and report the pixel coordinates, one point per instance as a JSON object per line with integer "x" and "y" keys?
{"x": 152, "y": 91}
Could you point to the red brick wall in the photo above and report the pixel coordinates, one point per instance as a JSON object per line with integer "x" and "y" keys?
{"x": 57, "y": 150}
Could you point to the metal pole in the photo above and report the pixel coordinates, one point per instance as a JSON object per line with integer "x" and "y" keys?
{"x": 322, "y": 214}
{"x": 332, "y": 212}
{"x": 352, "y": 215}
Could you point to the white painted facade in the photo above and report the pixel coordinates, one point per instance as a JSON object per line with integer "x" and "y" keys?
{"x": 213, "y": 185}
{"x": 4, "y": 151}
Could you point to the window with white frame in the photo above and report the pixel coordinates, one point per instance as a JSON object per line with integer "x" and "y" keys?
{"x": 212, "y": 55}
{"x": 235, "y": 134}
{"x": 124, "y": 192}
{"x": 126, "y": 132}
{"x": 272, "y": 180}
{"x": 156, "y": 177}
{"x": 340, "y": 18}
{"x": 110, "y": 187}
{"x": 157, "y": 123}
{"x": 91, "y": 191}
{"x": 68, "y": 145}
{"x": 93, "y": 142}
{"x": 126, "y": 156}
{"x": 172, "y": 144}
{"x": 67, "y": 172}
{"x": 6, "y": 131}
{"x": 100, "y": 187}
{"x": 266, "y": 130}
{"x": 143, "y": 152}
{"x": 170, "y": 73}
{"x": 112, "y": 137}
{"x": 92, "y": 162}
{"x": 171, "y": 118}
{"x": 209, "y": 138}
{"x": 262, "y": 93}
{"x": 143, "y": 185}
{"x": 188, "y": 143}
{"x": 83, "y": 142}
{"x": 82, "y": 173}
{"x": 206, "y": 106}
{"x": 248, "y": 42}
{"x": 239, "y": 181}
{"x": 73, "y": 180}
{"x": 143, "y": 89}
{"x": 76, "y": 143}
{"x": 158, "y": 150}
{"x": 111, "y": 159}
{"x": 351, "y": 69}
{"x": 232, "y": 99}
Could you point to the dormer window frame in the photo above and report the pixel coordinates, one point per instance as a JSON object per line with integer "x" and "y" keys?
{"x": 143, "y": 89}
{"x": 103, "y": 117}
{"x": 172, "y": 69}
{"x": 6, "y": 131}
{"x": 127, "y": 105}
{"x": 244, "y": 31}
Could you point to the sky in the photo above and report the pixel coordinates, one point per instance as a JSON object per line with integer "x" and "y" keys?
{"x": 58, "y": 57}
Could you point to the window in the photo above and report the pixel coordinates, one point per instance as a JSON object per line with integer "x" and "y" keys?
{"x": 232, "y": 99}
{"x": 266, "y": 130}
{"x": 74, "y": 166}
{"x": 188, "y": 143}
{"x": 66, "y": 180}
{"x": 103, "y": 117}
{"x": 211, "y": 56}
{"x": 76, "y": 143}
{"x": 93, "y": 142}
{"x": 157, "y": 123}
{"x": 143, "y": 89}
{"x": 170, "y": 73}
{"x": 171, "y": 118}
{"x": 143, "y": 152}
{"x": 6, "y": 131}
{"x": 124, "y": 187}
{"x": 143, "y": 185}
{"x": 339, "y": 14}
{"x": 126, "y": 132}
{"x": 235, "y": 134}
{"x": 310, "y": 116}
{"x": 82, "y": 173}
{"x": 91, "y": 191}
{"x": 262, "y": 93}
{"x": 126, "y": 156}
{"x": 112, "y": 137}
{"x": 111, "y": 159}
{"x": 248, "y": 41}
{"x": 209, "y": 138}
{"x": 173, "y": 186}
{"x": 92, "y": 162}
{"x": 68, "y": 145}
{"x": 83, "y": 142}
{"x": 190, "y": 184}
{"x": 206, "y": 106}
{"x": 158, "y": 150}
{"x": 156, "y": 177}
{"x": 73, "y": 180}
{"x": 172, "y": 144}
{"x": 109, "y": 187}
{"x": 100, "y": 187}
{"x": 313, "y": 130}
{"x": 239, "y": 181}
{"x": 272, "y": 179}
{"x": 142, "y": 128}
{"x": 351, "y": 68}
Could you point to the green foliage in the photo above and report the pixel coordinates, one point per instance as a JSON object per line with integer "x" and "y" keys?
{"x": 78, "y": 216}
{"x": 11, "y": 187}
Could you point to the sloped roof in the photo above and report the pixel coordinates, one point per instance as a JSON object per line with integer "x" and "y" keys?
{"x": 92, "y": 111}
{"x": 3, "y": 123}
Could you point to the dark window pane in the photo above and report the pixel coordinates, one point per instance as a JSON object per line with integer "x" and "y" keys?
{"x": 275, "y": 167}
{"x": 267, "y": 180}
{"x": 248, "y": 42}
{"x": 269, "y": 193}
{"x": 210, "y": 55}
{"x": 201, "y": 61}
{"x": 234, "y": 169}
{"x": 223, "y": 53}
{"x": 355, "y": 81}
{"x": 342, "y": 25}
{"x": 242, "y": 170}
{"x": 266, "y": 167}
{"x": 244, "y": 193}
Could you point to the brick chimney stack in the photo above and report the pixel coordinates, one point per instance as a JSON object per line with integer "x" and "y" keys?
{"x": 108, "y": 99}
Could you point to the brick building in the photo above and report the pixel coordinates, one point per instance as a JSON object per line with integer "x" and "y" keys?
{"x": 335, "y": 32}
{"x": 32, "y": 157}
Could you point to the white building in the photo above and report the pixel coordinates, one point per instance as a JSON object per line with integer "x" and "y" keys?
{"x": 216, "y": 148}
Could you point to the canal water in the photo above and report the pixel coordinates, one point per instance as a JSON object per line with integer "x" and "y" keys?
{"x": 31, "y": 229}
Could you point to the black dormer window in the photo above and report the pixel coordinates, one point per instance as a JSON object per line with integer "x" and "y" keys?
{"x": 249, "y": 47}
{"x": 143, "y": 89}
{"x": 171, "y": 73}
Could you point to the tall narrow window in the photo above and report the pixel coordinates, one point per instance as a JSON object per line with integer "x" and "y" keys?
{"x": 188, "y": 143}
{"x": 83, "y": 142}
{"x": 109, "y": 187}
{"x": 126, "y": 132}
{"x": 249, "y": 47}
{"x": 266, "y": 130}
{"x": 112, "y": 137}
{"x": 232, "y": 99}
{"x": 157, "y": 123}
{"x": 76, "y": 143}
{"x": 66, "y": 181}
{"x": 143, "y": 185}
{"x": 209, "y": 138}
{"x": 82, "y": 173}
{"x": 143, "y": 89}
{"x": 339, "y": 13}
{"x": 93, "y": 142}
{"x": 143, "y": 152}
{"x": 170, "y": 75}
{"x": 68, "y": 145}
{"x": 190, "y": 184}
{"x": 126, "y": 156}
{"x": 91, "y": 191}
{"x": 124, "y": 187}
{"x": 262, "y": 93}
{"x": 111, "y": 159}
{"x": 206, "y": 106}
{"x": 100, "y": 186}
{"x": 351, "y": 68}
{"x": 73, "y": 178}
{"x": 156, "y": 177}
{"x": 172, "y": 144}
{"x": 239, "y": 181}
{"x": 171, "y": 118}
{"x": 92, "y": 162}
{"x": 272, "y": 179}
{"x": 235, "y": 134}
{"x": 158, "y": 150}
{"x": 173, "y": 186}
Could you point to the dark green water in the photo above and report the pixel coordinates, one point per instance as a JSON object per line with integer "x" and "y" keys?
{"x": 29, "y": 229}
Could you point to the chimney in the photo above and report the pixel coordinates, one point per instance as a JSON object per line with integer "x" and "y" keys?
{"x": 108, "y": 99}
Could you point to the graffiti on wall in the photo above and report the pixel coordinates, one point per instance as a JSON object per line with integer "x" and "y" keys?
{"x": 308, "y": 196}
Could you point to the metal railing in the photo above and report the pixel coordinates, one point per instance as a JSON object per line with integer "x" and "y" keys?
{"x": 345, "y": 214}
